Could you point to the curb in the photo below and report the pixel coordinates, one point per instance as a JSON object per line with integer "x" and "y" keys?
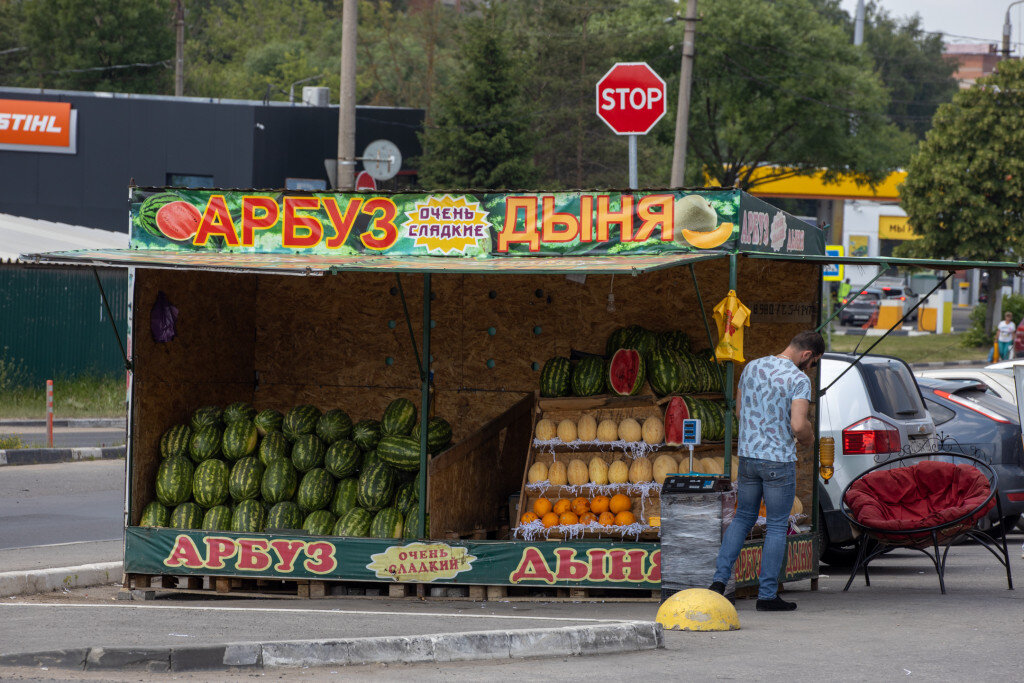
{"x": 46, "y": 580}
{"x": 78, "y": 422}
{"x": 629, "y": 636}
{"x": 45, "y": 456}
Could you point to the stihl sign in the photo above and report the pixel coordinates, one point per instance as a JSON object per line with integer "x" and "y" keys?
{"x": 631, "y": 98}
{"x": 35, "y": 126}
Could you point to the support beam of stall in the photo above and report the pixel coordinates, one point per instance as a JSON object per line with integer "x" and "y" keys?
{"x": 730, "y": 399}
{"x": 424, "y": 407}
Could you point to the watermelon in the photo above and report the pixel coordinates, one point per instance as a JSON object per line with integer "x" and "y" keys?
{"x": 238, "y": 411}
{"x": 554, "y": 377}
{"x": 249, "y": 517}
{"x": 279, "y": 481}
{"x": 626, "y": 372}
{"x": 284, "y": 515}
{"x": 210, "y": 483}
{"x": 319, "y": 523}
{"x": 401, "y": 452}
{"x": 315, "y": 490}
{"x": 674, "y": 340}
{"x": 174, "y": 480}
{"x": 217, "y": 518}
{"x": 207, "y": 416}
{"x": 334, "y": 425}
{"x": 300, "y": 420}
{"x": 664, "y": 371}
{"x": 387, "y": 524}
{"x": 308, "y": 452}
{"x": 376, "y": 487}
{"x": 267, "y": 421}
{"x": 398, "y": 418}
{"x": 636, "y": 337}
{"x": 407, "y": 497}
{"x": 246, "y": 477}
{"x": 355, "y": 522}
{"x": 239, "y": 439}
{"x": 343, "y": 458}
{"x": 175, "y": 441}
{"x": 155, "y": 514}
{"x": 615, "y": 341}
{"x": 205, "y": 443}
{"x": 690, "y": 381}
{"x": 412, "y": 521}
{"x": 178, "y": 221}
{"x": 146, "y": 217}
{"x": 588, "y": 376}
{"x": 274, "y": 446}
{"x": 344, "y": 498}
{"x": 366, "y": 434}
{"x": 439, "y": 434}
{"x": 369, "y": 459}
{"x": 675, "y": 412}
{"x": 187, "y": 516}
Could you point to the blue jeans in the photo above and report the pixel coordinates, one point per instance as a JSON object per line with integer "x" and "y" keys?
{"x": 776, "y": 483}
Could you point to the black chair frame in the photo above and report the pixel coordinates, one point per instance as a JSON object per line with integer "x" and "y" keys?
{"x": 873, "y": 543}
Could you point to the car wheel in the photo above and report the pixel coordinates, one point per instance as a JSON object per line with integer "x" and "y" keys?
{"x": 839, "y": 555}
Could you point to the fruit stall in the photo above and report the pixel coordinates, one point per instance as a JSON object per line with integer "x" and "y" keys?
{"x": 478, "y": 389}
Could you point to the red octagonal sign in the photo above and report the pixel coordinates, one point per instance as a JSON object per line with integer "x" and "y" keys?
{"x": 631, "y": 98}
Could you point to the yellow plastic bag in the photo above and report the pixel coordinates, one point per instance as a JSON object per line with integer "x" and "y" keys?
{"x": 731, "y": 316}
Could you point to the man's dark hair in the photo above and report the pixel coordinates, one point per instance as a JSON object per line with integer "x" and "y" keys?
{"x": 809, "y": 341}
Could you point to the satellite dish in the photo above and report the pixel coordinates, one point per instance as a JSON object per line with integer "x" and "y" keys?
{"x": 382, "y": 159}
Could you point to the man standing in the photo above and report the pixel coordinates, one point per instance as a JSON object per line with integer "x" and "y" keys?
{"x": 1006, "y": 330}
{"x": 773, "y": 396}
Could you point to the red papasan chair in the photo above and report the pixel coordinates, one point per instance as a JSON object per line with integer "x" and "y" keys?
{"x": 922, "y": 506}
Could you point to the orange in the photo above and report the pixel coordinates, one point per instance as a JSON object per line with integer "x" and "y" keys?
{"x": 588, "y": 518}
{"x": 599, "y": 504}
{"x": 528, "y": 517}
{"x": 624, "y": 518}
{"x": 568, "y": 518}
{"x": 549, "y": 520}
{"x": 580, "y": 505}
{"x": 620, "y": 503}
{"x": 541, "y": 507}
{"x": 606, "y": 519}
{"x": 562, "y": 505}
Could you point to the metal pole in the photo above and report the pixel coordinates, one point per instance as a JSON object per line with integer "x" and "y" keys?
{"x": 179, "y": 49}
{"x": 347, "y": 97}
{"x": 632, "y": 163}
{"x": 827, "y": 300}
{"x": 424, "y": 409}
{"x": 49, "y": 413}
{"x": 683, "y": 104}
{"x": 858, "y": 24}
{"x": 730, "y": 396}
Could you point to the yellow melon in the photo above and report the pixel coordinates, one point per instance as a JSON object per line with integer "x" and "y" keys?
{"x": 798, "y": 507}
{"x": 538, "y": 472}
{"x": 567, "y": 430}
{"x": 557, "y": 474}
{"x": 618, "y": 472}
{"x": 545, "y": 430}
{"x": 608, "y": 430}
{"x": 640, "y": 470}
{"x": 586, "y": 428}
{"x": 598, "y": 470}
{"x": 664, "y": 465}
{"x": 578, "y": 473}
{"x": 653, "y": 431}
{"x": 629, "y": 430}
{"x": 719, "y": 464}
{"x": 711, "y": 466}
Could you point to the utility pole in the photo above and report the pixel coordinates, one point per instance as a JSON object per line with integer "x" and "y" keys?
{"x": 179, "y": 49}
{"x": 1007, "y": 28}
{"x": 347, "y": 97}
{"x": 858, "y": 24}
{"x": 683, "y": 106}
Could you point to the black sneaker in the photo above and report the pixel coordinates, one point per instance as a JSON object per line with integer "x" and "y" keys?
{"x": 776, "y": 604}
{"x": 718, "y": 587}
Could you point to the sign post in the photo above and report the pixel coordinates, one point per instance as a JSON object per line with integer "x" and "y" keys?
{"x": 832, "y": 272}
{"x": 631, "y": 99}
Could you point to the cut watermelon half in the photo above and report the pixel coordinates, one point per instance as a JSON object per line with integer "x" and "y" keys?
{"x": 675, "y": 412}
{"x": 626, "y": 372}
{"x": 178, "y": 220}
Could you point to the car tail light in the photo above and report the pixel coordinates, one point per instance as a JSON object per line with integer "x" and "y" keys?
{"x": 870, "y": 436}
{"x": 971, "y": 405}
{"x": 903, "y": 298}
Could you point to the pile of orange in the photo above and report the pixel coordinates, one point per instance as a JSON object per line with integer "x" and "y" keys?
{"x": 614, "y": 511}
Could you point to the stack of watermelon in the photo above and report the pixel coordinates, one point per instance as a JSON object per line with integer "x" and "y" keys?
{"x": 236, "y": 469}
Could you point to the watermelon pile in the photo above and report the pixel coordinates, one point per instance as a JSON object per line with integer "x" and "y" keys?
{"x": 710, "y": 413}
{"x": 304, "y": 470}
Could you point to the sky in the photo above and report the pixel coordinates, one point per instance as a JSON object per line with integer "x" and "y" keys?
{"x": 963, "y": 21}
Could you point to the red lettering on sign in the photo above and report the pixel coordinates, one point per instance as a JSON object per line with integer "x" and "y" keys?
{"x": 623, "y": 217}
{"x": 217, "y": 550}
{"x": 597, "y": 557}
{"x": 568, "y": 568}
{"x": 293, "y": 223}
{"x": 528, "y": 235}
{"x": 383, "y": 232}
{"x": 557, "y": 227}
{"x": 251, "y": 222}
{"x": 216, "y": 221}
{"x": 654, "y": 575}
{"x": 623, "y": 560}
{"x": 321, "y": 558}
{"x": 655, "y": 210}
{"x": 253, "y": 555}
{"x": 532, "y": 567}
{"x": 286, "y": 551}
{"x": 342, "y": 223}
{"x": 184, "y": 554}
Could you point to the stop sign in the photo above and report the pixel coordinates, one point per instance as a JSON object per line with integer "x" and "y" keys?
{"x": 631, "y": 98}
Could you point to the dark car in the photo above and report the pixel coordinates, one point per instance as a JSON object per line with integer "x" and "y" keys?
{"x": 971, "y": 421}
{"x": 862, "y": 308}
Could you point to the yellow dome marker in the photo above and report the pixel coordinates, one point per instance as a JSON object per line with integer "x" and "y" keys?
{"x": 698, "y": 609}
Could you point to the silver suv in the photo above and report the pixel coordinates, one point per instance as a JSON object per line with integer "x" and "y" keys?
{"x": 874, "y": 412}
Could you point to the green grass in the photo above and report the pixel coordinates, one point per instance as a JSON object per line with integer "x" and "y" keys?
{"x": 922, "y": 349}
{"x": 78, "y": 397}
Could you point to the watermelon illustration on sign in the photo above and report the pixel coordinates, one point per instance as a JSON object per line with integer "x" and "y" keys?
{"x": 178, "y": 220}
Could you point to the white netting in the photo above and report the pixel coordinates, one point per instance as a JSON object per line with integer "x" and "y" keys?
{"x": 535, "y": 531}
{"x": 633, "y": 449}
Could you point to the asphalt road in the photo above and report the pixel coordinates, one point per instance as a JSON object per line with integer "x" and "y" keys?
{"x": 67, "y": 437}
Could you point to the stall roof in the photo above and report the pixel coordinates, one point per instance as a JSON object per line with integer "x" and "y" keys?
{"x": 892, "y": 261}
{"x": 19, "y": 235}
{"x": 306, "y": 264}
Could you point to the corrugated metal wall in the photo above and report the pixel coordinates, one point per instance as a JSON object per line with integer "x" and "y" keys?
{"x": 53, "y": 322}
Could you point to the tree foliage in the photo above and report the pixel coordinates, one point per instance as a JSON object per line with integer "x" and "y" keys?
{"x": 964, "y": 192}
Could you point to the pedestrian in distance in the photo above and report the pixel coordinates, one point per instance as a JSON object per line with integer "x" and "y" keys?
{"x": 774, "y": 397}
{"x": 1005, "y": 331}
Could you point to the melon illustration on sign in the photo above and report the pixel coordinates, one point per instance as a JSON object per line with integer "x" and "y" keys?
{"x": 696, "y": 220}
{"x": 178, "y": 221}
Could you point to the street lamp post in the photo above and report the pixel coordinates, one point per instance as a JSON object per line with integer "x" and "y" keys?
{"x": 1006, "y": 28}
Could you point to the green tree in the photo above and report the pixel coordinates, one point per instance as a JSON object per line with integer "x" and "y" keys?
{"x": 964, "y": 192}
{"x": 482, "y": 135}
{"x": 778, "y": 83}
